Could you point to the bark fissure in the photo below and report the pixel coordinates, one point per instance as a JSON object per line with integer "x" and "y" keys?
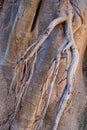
{"x": 36, "y": 16}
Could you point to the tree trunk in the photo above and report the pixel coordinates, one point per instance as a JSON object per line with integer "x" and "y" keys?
{"x": 27, "y": 77}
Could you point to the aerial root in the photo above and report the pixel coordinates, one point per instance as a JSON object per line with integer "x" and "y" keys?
{"x": 32, "y": 52}
{"x": 41, "y": 39}
{"x": 69, "y": 44}
{"x": 68, "y": 88}
{"x": 24, "y": 60}
{"x": 23, "y": 85}
{"x": 70, "y": 74}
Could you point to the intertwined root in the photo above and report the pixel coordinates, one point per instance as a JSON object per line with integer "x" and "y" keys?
{"x": 27, "y": 63}
{"x": 71, "y": 69}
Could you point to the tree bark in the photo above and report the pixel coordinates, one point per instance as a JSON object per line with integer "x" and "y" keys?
{"x": 23, "y": 25}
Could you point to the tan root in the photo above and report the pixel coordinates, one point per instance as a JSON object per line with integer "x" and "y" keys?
{"x": 28, "y": 60}
{"x": 70, "y": 73}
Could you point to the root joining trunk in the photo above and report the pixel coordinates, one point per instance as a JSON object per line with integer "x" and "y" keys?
{"x": 67, "y": 47}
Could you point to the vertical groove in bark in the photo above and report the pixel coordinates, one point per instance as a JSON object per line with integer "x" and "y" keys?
{"x": 36, "y": 16}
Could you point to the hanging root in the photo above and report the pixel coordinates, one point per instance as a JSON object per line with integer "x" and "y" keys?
{"x": 68, "y": 88}
{"x": 27, "y": 64}
{"x": 41, "y": 39}
{"x": 70, "y": 73}
{"x": 69, "y": 44}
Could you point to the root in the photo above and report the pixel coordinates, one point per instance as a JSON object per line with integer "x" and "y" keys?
{"x": 65, "y": 70}
{"x": 28, "y": 60}
{"x": 23, "y": 84}
{"x": 41, "y": 39}
{"x": 50, "y": 88}
{"x": 68, "y": 89}
{"x": 71, "y": 69}
{"x": 62, "y": 105}
{"x": 70, "y": 75}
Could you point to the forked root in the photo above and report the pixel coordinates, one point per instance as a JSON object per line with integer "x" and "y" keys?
{"x": 71, "y": 69}
{"x": 41, "y": 39}
{"x": 68, "y": 44}
{"x": 26, "y": 58}
{"x": 68, "y": 89}
{"x": 70, "y": 74}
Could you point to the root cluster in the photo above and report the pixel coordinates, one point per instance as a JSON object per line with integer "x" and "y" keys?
{"x": 25, "y": 67}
